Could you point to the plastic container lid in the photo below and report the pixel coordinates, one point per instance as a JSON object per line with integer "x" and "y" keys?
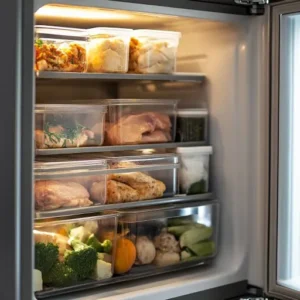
{"x": 202, "y": 150}
{"x": 109, "y": 30}
{"x": 60, "y": 31}
{"x": 192, "y": 112}
{"x": 70, "y": 108}
{"x": 157, "y": 34}
{"x": 140, "y": 102}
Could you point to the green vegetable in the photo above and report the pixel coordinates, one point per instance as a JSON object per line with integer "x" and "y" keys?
{"x": 105, "y": 247}
{"x": 203, "y": 248}
{"x": 179, "y": 230}
{"x": 46, "y": 255}
{"x": 188, "y": 220}
{"x": 190, "y": 129}
{"x": 198, "y": 187}
{"x": 194, "y": 236}
{"x": 60, "y": 275}
{"x": 39, "y": 42}
{"x": 82, "y": 260}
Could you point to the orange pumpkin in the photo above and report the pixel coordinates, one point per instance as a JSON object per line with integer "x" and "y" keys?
{"x": 125, "y": 255}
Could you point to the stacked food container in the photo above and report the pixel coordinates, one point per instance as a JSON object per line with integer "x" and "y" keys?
{"x": 122, "y": 186}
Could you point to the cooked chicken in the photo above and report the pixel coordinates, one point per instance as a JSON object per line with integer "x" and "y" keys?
{"x": 118, "y": 192}
{"x": 68, "y": 57}
{"x": 97, "y": 191}
{"x": 149, "y": 55}
{"x": 107, "y": 54}
{"x": 140, "y": 128}
{"x": 50, "y": 194}
{"x": 56, "y": 137}
{"x": 86, "y": 181}
{"x": 54, "y": 238}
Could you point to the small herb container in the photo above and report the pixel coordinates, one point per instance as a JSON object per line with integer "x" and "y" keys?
{"x": 67, "y": 126}
{"x": 194, "y": 169}
{"x": 192, "y": 125}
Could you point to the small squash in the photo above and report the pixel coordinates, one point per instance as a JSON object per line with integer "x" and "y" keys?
{"x": 125, "y": 255}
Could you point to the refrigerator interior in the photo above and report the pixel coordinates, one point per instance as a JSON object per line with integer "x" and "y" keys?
{"x": 230, "y": 50}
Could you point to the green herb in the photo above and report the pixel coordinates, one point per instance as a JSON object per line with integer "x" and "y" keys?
{"x": 198, "y": 187}
{"x": 39, "y": 42}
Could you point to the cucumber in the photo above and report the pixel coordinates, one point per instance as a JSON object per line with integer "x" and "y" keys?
{"x": 203, "y": 248}
{"x": 195, "y": 235}
{"x": 179, "y": 230}
{"x": 188, "y": 220}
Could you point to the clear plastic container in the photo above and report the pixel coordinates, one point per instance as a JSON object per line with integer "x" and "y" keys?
{"x": 65, "y": 126}
{"x": 153, "y": 51}
{"x": 194, "y": 169}
{"x": 108, "y": 50}
{"x": 192, "y": 125}
{"x": 140, "y": 121}
{"x": 73, "y": 254}
{"x": 168, "y": 237}
{"x": 135, "y": 177}
{"x": 60, "y": 49}
{"x": 65, "y": 185}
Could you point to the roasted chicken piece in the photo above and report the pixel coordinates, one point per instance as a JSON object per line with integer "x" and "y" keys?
{"x": 141, "y": 128}
{"x": 51, "y": 194}
{"x": 97, "y": 190}
{"x": 118, "y": 192}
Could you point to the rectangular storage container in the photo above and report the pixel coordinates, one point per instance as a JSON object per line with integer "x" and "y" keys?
{"x": 73, "y": 254}
{"x": 60, "y": 49}
{"x": 135, "y": 177}
{"x": 69, "y": 185}
{"x": 67, "y": 125}
{"x": 140, "y": 121}
{"x": 167, "y": 238}
{"x": 194, "y": 169}
{"x": 108, "y": 50}
{"x": 153, "y": 51}
{"x": 192, "y": 125}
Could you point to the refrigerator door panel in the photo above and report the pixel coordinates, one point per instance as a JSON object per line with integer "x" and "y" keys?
{"x": 284, "y": 230}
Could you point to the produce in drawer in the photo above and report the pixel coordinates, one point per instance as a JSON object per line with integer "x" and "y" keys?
{"x": 65, "y": 57}
{"x": 147, "y": 127}
{"x": 54, "y": 194}
{"x": 67, "y": 260}
{"x": 125, "y": 255}
{"x": 145, "y": 250}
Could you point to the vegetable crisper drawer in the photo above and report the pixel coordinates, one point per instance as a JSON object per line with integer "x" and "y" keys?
{"x": 67, "y": 125}
{"x": 166, "y": 237}
{"x": 73, "y": 254}
{"x": 140, "y": 121}
{"x": 68, "y": 184}
{"x": 134, "y": 177}
{"x": 60, "y": 49}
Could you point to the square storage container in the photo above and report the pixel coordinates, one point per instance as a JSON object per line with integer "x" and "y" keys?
{"x": 192, "y": 125}
{"x": 194, "y": 169}
{"x": 73, "y": 254}
{"x": 108, "y": 50}
{"x": 60, "y": 49}
{"x": 64, "y": 186}
{"x": 139, "y": 121}
{"x": 65, "y": 126}
{"x": 167, "y": 238}
{"x": 153, "y": 51}
{"x": 134, "y": 177}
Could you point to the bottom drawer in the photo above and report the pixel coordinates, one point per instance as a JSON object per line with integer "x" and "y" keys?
{"x": 144, "y": 243}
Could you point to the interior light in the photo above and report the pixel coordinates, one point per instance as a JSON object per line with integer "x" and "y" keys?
{"x": 80, "y": 13}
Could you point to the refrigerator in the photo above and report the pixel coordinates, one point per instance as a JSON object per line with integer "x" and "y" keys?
{"x": 237, "y": 59}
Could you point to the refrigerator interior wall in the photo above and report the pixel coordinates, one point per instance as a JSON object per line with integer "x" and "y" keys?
{"x": 230, "y": 52}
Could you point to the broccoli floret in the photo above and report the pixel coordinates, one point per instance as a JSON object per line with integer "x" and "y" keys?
{"x": 46, "y": 255}
{"x": 60, "y": 275}
{"x": 106, "y": 246}
{"x": 82, "y": 260}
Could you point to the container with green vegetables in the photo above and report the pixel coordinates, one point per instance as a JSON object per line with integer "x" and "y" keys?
{"x": 192, "y": 125}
